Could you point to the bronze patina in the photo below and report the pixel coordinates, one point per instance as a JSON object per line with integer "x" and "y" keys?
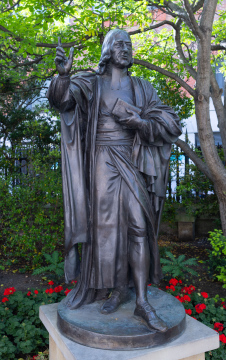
{"x": 116, "y": 138}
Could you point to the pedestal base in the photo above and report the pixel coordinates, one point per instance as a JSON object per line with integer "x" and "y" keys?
{"x": 122, "y": 330}
{"x": 191, "y": 345}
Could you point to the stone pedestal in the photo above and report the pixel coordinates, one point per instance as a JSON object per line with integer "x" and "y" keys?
{"x": 186, "y": 227}
{"x": 191, "y": 345}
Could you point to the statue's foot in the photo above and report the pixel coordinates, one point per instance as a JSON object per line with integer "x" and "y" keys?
{"x": 117, "y": 298}
{"x": 148, "y": 314}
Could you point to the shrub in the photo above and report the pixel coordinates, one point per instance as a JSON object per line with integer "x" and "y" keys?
{"x": 32, "y": 211}
{"x": 56, "y": 265}
{"x": 21, "y": 330}
{"x": 177, "y": 267}
{"x": 217, "y": 257}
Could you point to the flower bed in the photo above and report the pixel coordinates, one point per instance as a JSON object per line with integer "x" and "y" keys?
{"x": 206, "y": 310}
{"x": 23, "y": 336}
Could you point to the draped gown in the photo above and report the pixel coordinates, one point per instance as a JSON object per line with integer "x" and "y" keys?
{"x": 114, "y": 179}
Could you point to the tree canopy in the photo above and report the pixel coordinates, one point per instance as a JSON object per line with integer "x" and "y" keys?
{"x": 181, "y": 41}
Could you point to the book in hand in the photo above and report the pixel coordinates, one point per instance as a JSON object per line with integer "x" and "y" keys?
{"x": 120, "y": 107}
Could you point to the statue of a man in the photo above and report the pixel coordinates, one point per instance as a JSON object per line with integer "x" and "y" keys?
{"x": 115, "y": 171}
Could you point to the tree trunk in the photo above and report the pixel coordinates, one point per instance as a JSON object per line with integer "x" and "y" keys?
{"x": 220, "y": 190}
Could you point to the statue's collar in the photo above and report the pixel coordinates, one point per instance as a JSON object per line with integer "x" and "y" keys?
{"x": 116, "y": 75}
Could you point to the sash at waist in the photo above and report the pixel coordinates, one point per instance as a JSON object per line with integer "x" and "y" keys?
{"x": 110, "y": 132}
{"x": 114, "y": 142}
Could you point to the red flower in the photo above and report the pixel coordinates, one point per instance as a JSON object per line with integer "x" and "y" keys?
{"x": 29, "y": 293}
{"x": 189, "y": 312}
{"x": 194, "y": 317}
{"x": 223, "y": 303}
{"x": 192, "y": 288}
{"x": 58, "y": 289}
{"x": 74, "y": 282}
{"x": 9, "y": 291}
{"x": 199, "y": 308}
{"x": 36, "y": 292}
{"x": 171, "y": 287}
{"x": 181, "y": 299}
{"x": 149, "y": 284}
{"x": 35, "y": 357}
{"x": 205, "y": 295}
{"x": 5, "y": 299}
{"x": 222, "y": 338}
{"x": 51, "y": 282}
{"x": 218, "y": 326}
{"x": 187, "y": 298}
{"x": 173, "y": 282}
{"x": 67, "y": 291}
{"x": 188, "y": 289}
{"x": 180, "y": 281}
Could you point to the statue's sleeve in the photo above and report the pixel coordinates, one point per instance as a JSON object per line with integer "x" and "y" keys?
{"x": 59, "y": 95}
{"x": 161, "y": 123}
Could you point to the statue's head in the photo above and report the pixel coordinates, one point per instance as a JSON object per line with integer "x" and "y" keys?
{"x": 117, "y": 49}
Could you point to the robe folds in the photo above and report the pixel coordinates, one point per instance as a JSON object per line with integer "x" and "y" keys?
{"x": 146, "y": 175}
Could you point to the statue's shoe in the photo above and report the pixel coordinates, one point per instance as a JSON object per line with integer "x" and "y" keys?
{"x": 117, "y": 298}
{"x": 148, "y": 314}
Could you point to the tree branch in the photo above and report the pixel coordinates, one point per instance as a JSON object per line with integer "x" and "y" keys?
{"x": 11, "y": 7}
{"x": 194, "y": 157}
{"x": 177, "y": 39}
{"x": 196, "y": 30}
{"x": 155, "y": 26}
{"x": 166, "y": 73}
{"x": 197, "y": 6}
{"x": 52, "y": 46}
{"x": 218, "y": 47}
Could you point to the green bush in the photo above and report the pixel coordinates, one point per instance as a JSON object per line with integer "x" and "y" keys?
{"x": 20, "y": 328}
{"x": 32, "y": 210}
{"x": 217, "y": 256}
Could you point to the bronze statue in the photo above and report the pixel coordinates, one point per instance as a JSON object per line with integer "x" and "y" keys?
{"x": 116, "y": 143}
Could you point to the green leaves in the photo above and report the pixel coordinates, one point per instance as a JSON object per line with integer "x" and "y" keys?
{"x": 217, "y": 258}
{"x": 22, "y": 332}
{"x": 56, "y": 265}
{"x": 177, "y": 267}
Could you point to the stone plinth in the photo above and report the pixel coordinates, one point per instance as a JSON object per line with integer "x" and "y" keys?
{"x": 191, "y": 345}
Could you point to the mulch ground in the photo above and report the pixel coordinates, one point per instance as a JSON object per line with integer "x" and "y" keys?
{"x": 11, "y": 277}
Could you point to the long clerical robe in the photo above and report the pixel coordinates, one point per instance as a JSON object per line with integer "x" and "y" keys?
{"x": 145, "y": 174}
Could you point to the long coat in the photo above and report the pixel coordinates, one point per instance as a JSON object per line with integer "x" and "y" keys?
{"x": 79, "y": 108}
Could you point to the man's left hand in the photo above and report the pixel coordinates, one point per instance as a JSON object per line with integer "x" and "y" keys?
{"x": 133, "y": 121}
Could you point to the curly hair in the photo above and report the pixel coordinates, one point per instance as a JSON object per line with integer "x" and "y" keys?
{"x": 106, "y": 50}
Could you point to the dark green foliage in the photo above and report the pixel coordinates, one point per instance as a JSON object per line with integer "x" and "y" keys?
{"x": 56, "y": 265}
{"x": 195, "y": 191}
{"x": 177, "y": 267}
{"x": 32, "y": 211}
{"x": 21, "y": 331}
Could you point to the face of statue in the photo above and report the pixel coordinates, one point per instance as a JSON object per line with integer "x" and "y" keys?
{"x": 121, "y": 51}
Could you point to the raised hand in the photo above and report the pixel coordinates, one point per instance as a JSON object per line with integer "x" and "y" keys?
{"x": 63, "y": 64}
